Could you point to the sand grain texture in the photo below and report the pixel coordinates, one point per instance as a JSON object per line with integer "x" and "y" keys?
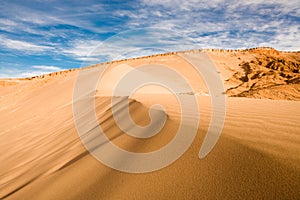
{"x": 256, "y": 157}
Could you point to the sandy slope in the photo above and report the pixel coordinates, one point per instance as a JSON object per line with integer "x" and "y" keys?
{"x": 257, "y": 155}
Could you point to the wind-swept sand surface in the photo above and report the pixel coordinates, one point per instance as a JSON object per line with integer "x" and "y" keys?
{"x": 256, "y": 157}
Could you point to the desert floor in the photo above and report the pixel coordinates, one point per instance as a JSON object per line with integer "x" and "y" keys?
{"x": 256, "y": 156}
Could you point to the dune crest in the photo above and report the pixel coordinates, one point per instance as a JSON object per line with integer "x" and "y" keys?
{"x": 256, "y": 156}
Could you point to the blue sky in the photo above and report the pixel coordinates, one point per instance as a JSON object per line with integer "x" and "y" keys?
{"x": 43, "y": 36}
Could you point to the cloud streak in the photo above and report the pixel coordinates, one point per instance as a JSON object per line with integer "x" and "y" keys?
{"x": 28, "y": 72}
{"x": 22, "y": 45}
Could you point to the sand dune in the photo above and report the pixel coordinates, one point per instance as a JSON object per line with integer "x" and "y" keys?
{"x": 256, "y": 157}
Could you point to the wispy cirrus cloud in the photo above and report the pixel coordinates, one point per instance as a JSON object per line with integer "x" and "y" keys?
{"x": 226, "y": 24}
{"x": 80, "y": 48}
{"x": 45, "y": 67}
{"x": 28, "y": 72}
{"x": 22, "y": 45}
{"x": 127, "y": 44}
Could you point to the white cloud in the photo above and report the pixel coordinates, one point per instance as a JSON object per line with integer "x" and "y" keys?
{"x": 28, "y": 72}
{"x": 81, "y": 48}
{"x": 22, "y": 45}
{"x": 58, "y": 13}
{"x": 45, "y": 67}
{"x": 226, "y": 24}
{"x": 287, "y": 39}
{"x": 7, "y": 25}
{"x": 132, "y": 43}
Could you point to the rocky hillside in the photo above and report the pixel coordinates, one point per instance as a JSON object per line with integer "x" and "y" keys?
{"x": 260, "y": 73}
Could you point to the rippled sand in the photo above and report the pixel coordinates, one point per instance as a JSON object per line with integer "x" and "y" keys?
{"x": 256, "y": 157}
